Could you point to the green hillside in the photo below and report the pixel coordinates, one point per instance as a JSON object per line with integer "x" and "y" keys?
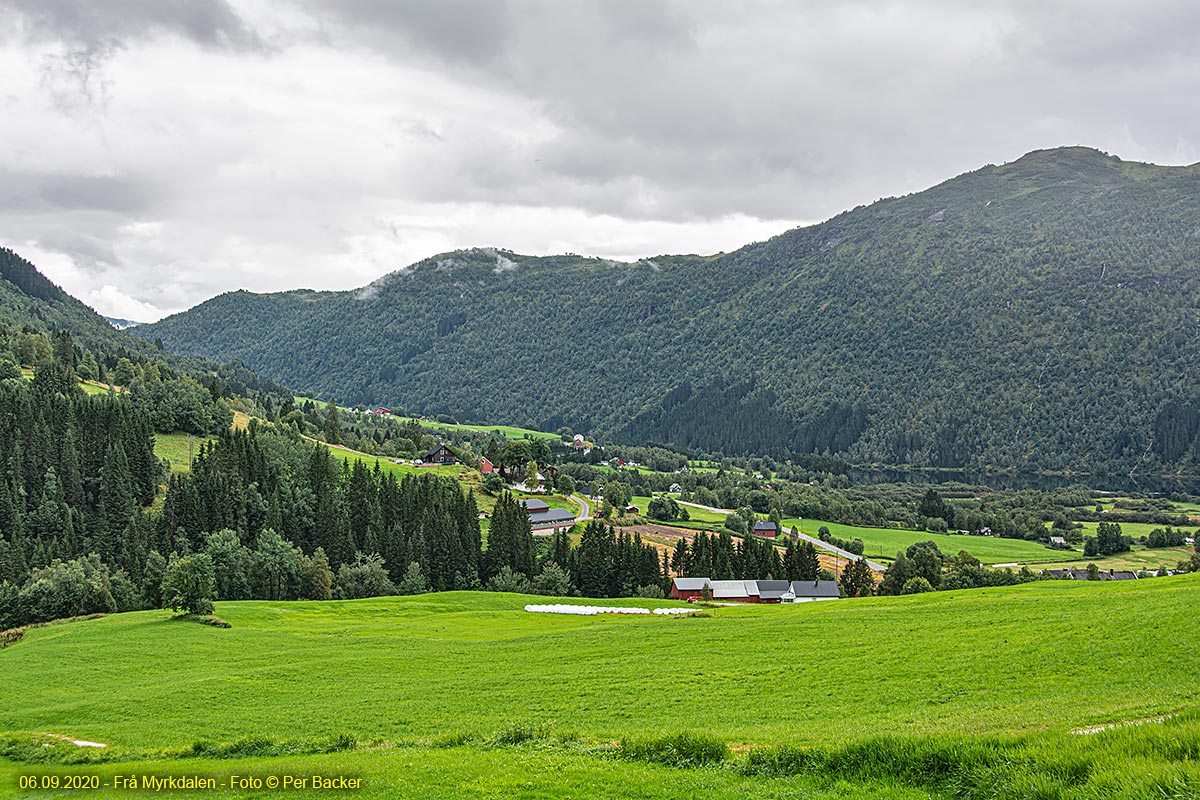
{"x": 1035, "y": 315}
{"x": 29, "y": 299}
{"x": 409, "y": 676}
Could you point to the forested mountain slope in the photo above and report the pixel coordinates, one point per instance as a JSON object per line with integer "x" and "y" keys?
{"x": 29, "y": 299}
{"x": 1042, "y": 314}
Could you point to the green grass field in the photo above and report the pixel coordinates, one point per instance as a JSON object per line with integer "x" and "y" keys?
{"x": 1140, "y": 558}
{"x": 88, "y": 387}
{"x": 701, "y": 515}
{"x": 1134, "y": 529}
{"x": 388, "y": 465}
{"x": 886, "y": 542}
{"x": 465, "y": 694}
{"x": 178, "y": 448}
{"x": 507, "y": 431}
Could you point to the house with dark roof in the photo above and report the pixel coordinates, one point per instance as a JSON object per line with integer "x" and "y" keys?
{"x": 544, "y": 520}
{"x": 765, "y": 529}
{"x": 810, "y": 591}
{"x": 440, "y": 455}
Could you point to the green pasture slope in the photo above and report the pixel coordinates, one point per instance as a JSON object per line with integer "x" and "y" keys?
{"x": 967, "y": 694}
{"x": 886, "y": 542}
{"x": 506, "y": 431}
{"x": 178, "y": 449}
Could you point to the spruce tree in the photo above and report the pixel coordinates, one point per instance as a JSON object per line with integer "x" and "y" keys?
{"x": 116, "y": 504}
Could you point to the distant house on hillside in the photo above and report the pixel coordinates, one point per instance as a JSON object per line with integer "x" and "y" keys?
{"x": 765, "y": 529}
{"x": 546, "y": 521}
{"x": 675, "y": 488}
{"x": 379, "y": 412}
{"x": 485, "y": 466}
{"x": 440, "y": 455}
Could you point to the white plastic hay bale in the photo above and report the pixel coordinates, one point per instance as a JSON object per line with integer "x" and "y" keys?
{"x": 587, "y": 611}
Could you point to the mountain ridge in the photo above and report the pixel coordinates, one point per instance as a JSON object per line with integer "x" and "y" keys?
{"x": 985, "y": 322}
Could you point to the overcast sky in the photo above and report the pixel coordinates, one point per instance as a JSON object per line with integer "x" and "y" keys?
{"x": 154, "y": 153}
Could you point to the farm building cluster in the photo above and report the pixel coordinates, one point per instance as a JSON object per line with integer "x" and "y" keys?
{"x": 546, "y": 521}
{"x": 694, "y": 589}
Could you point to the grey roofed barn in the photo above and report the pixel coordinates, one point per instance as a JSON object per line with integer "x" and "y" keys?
{"x": 771, "y": 590}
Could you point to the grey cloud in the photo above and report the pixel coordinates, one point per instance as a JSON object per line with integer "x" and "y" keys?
{"x": 678, "y": 112}
{"x": 90, "y": 252}
{"x": 34, "y": 192}
{"x": 211, "y": 23}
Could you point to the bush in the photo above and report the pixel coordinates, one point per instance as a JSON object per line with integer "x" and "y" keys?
{"x": 678, "y": 750}
{"x": 509, "y": 581}
{"x": 651, "y": 591}
{"x": 64, "y": 589}
{"x": 917, "y": 585}
{"x": 366, "y": 577}
{"x": 493, "y": 483}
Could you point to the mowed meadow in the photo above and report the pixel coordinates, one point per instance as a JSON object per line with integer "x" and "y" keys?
{"x": 459, "y": 690}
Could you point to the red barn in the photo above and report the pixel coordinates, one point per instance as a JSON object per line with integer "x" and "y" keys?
{"x": 688, "y": 588}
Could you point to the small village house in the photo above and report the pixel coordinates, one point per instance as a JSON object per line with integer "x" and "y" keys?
{"x": 440, "y": 455}
{"x": 765, "y": 529}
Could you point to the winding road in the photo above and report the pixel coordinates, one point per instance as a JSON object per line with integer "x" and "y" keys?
{"x": 585, "y": 509}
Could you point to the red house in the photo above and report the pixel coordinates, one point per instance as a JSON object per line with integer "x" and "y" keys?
{"x": 765, "y": 529}
{"x": 485, "y": 466}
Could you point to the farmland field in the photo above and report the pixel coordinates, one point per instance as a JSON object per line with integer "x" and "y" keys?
{"x": 1140, "y": 558}
{"x": 1134, "y": 529}
{"x": 388, "y": 465}
{"x": 886, "y": 542}
{"x": 466, "y": 693}
{"x": 391, "y": 671}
